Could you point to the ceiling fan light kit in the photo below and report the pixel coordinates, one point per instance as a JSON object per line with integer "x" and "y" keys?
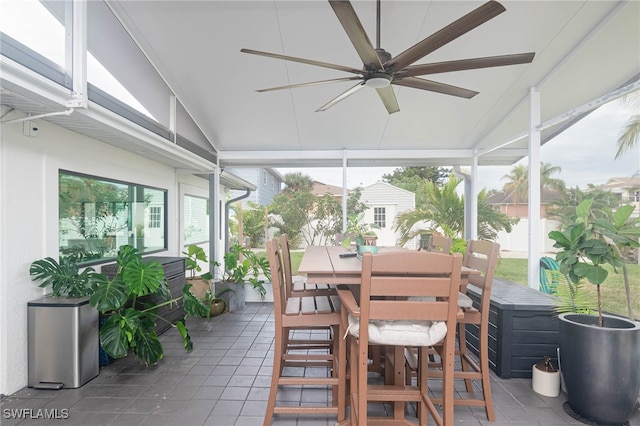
{"x": 377, "y": 80}
{"x": 380, "y": 69}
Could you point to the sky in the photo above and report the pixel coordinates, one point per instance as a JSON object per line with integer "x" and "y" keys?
{"x": 585, "y": 152}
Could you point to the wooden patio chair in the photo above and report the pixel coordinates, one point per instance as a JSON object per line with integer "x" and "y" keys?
{"x": 406, "y": 299}
{"x": 439, "y": 243}
{"x": 482, "y": 256}
{"x": 304, "y": 313}
{"x": 300, "y": 287}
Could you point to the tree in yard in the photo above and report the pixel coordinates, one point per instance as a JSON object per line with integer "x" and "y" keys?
{"x": 631, "y": 132}
{"x": 291, "y": 209}
{"x": 444, "y": 214}
{"x": 413, "y": 179}
{"x": 517, "y": 186}
{"x": 304, "y": 216}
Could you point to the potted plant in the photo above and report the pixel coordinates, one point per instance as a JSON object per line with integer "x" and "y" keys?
{"x": 216, "y": 303}
{"x": 200, "y": 284}
{"x": 360, "y": 233}
{"x": 241, "y": 266}
{"x": 599, "y": 355}
{"x": 70, "y": 358}
{"x": 131, "y": 312}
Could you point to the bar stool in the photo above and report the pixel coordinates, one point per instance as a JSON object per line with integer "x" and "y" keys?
{"x": 406, "y": 299}
{"x": 304, "y": 313}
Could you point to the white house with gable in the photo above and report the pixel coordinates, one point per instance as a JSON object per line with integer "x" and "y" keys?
{"x": 385, "y": 202}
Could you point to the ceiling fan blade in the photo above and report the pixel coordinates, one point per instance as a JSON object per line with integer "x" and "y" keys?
{"x": 434, "y": 86}
{"x": 388, "y": 97}
{"x": 311, "y": 83}
{"x": 449, "y": 33}
{"x": 302, "y": 61}
{"x": 341, "y": 97}
{"x": 354, "y": 29}
{"x": 467, "y": 64}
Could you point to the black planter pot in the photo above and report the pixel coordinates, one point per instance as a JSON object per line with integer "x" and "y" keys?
{"x": 600, "y": 366}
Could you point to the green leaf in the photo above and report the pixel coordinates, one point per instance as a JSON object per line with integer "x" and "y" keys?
{"x": 186, "y": 339}
{"x": 192, "y": 305}
{"x": 109, "y": 295}
{"x": 148, "y": 348}
{"x": 143, "y": 278}
{"x": 621, "y": 215}
{"x": 595, "y": 274}
{"x": 113, "y": 338}
{"x": 583, "y": 209}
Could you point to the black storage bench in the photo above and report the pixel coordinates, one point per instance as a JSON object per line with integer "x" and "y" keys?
{"x": 523, "y": 328}
{"x": 174, "y": 271}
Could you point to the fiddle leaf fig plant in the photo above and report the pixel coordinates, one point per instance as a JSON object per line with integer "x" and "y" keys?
{"x": 132, "y": 313}
{"x": 592, "y": 241}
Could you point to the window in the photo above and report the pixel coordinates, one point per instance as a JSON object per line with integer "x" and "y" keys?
{"x": 196, "y": 220}
{"x": 97, "y": 216}
{"x": 380, "y": 216}
{"x": 264, "y": 177}
{"x": 155, "y": 216}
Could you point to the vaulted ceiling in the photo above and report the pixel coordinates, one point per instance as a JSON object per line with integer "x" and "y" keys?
{"x": 584, "y": 50}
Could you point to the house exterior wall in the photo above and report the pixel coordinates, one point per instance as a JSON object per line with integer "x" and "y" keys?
{"x": 394, "y": 200}
{"x": 29, "y": 217}
{"x": 265, "y": 191}
{"x": 521, "y": 210}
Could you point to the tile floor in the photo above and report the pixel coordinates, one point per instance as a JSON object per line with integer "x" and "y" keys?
{"x": 225, "y": 381}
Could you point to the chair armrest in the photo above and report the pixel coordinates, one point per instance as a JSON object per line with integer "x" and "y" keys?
{"x": 348, "y": 301}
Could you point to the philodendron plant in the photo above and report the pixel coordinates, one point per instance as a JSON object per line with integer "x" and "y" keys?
{"x": 596, "y": 239}
{"x": 130, "y": 325}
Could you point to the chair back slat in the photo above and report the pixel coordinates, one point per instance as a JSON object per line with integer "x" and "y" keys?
{"x": 409, "y": 310}
{"x": 483, "y": 256}
{"x": 399, "y": 275}
{"x": 440, "y": 244}
{"x": 277, "y": 278}
{"x": 411, "y": 286}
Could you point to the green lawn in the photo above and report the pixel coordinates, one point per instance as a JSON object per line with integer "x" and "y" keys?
{"x": 515, "y": 270}
{"x": 613, "y": 294}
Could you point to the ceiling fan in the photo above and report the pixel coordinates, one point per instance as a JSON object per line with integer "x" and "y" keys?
{"x": 380, "y": 69}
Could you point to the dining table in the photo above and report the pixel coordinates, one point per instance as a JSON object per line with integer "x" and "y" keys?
{"x": 337, "y": 265}
{"x": 328, "y": 265}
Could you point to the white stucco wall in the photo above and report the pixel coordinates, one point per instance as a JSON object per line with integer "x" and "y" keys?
{"x": 29, "y": 217}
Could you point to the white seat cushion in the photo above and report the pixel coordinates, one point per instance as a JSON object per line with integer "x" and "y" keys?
{"x": 401, "y": 333}
{"x": 464, "y": 301}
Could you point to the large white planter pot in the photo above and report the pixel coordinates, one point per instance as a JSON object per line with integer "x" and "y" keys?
{"x": 252, "y": 295}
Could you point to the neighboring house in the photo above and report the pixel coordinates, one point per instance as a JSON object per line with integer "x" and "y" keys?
{"x": 628, "y": 188}
{"x": 320, "y": 189}
{"x": 385, "y": 202}
{"x": 507, "y": 205}
{"x": 268, "y": 183}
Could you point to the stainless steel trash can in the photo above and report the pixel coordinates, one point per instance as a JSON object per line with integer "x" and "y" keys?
{"x": 63, "y": 342}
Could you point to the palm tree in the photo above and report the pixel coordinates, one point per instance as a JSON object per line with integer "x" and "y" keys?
{"x": 444, "y": 213}
{"x": 517, "y": 186}
{"x": 631, "y": 133}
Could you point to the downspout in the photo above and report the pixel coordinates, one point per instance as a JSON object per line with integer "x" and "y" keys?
{"x": 226, "y": 217}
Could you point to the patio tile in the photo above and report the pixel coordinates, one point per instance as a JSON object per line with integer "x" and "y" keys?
{"x": 225, "y": 382}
